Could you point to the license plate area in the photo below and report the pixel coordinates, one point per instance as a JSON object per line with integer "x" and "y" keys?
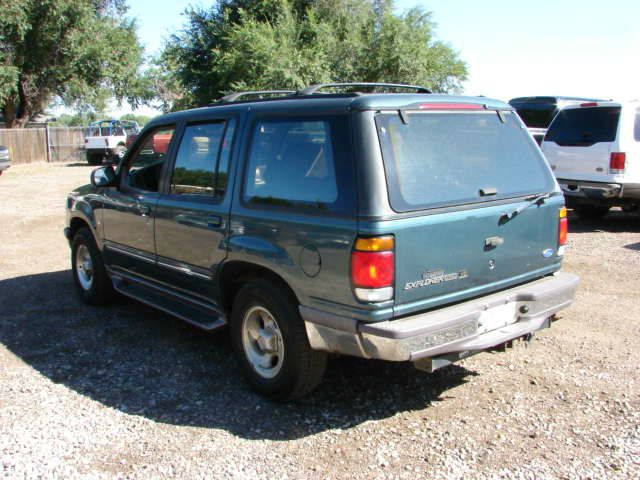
{"x": 497, "y": 317}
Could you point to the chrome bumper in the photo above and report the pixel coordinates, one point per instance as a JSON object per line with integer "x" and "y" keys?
{"x": 463, "y": 329}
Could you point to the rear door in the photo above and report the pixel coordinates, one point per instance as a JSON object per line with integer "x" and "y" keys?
{"x": 452, "y": 177}
{"x": 579, "y": 143}
{"x": 192, "y": 216}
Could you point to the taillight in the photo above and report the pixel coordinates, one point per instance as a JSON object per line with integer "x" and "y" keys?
{"x": 563, "y": 229}
{"x": 372, "y": 268}
{"x": 616, "y": 163}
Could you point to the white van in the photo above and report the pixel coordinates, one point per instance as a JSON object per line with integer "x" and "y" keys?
{"x": 594, "y": 150}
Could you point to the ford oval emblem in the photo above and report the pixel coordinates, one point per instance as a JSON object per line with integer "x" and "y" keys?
{"x": 547, "y": 253}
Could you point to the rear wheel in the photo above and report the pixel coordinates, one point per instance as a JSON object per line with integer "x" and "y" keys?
{"x": 89, "y": 274}
{"x": 94, "y": 158}
{"x": 591, "y": 212}
{"x": 271, "y": 345}
{"x": 119, "y": 154}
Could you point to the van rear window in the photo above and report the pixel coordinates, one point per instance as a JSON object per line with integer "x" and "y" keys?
{"x": 447, "y": 158}
{"x": 583, "y": 127}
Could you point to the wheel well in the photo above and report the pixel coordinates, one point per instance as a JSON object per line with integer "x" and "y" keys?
{"x": 76, "y": 224}
{"x": 236, "y": 274}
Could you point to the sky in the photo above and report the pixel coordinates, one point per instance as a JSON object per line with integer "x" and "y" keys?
{"x": 512, "y": 48}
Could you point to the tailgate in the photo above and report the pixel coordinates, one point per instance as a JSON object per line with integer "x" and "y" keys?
{"x": 447, "y": 257}
{"x": 580, "y": 163}
{"x": 579, "y": 142}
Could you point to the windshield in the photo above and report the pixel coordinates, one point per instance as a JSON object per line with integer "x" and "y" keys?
{"x": 583, "y": 127}
{"x": 447, "y": 158}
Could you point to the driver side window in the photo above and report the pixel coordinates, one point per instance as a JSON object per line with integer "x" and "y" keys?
{"x": 145, "y": 166}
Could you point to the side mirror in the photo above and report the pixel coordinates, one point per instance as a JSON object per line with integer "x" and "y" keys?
{"x": 103, "y": 177}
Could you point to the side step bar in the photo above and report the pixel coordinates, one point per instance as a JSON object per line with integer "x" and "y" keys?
{"x": 190, "y": 310}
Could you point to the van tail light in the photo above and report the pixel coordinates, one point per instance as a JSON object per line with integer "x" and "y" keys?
{"x": 563, "y": 230}
{"x": 616, "y": 163}
{"x": 373, "y": 268}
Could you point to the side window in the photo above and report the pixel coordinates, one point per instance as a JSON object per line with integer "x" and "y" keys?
{"x": 291, "y": 163}
{"x": 145, "y": 167}
{"x": 636, "y": 127}
{"x": 195, "y": 168}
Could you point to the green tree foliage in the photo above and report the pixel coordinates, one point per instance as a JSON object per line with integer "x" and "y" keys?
{"x": 134, "y": 117}
{"x": 80, "y": 51}
{"x": 274, "y": 44}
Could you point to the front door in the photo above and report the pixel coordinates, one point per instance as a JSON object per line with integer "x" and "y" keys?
{"x": 129, "y": 211}
{"x": 192, "y": 216}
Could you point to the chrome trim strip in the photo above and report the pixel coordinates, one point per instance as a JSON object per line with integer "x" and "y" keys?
{"x": 123, "y": 251}
{"x": 184, "y": 269}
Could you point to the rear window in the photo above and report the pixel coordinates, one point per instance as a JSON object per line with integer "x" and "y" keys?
{"x": 536, "y": 113}
{"x": 583, "y": 127}
{"x": 446, "y": 158}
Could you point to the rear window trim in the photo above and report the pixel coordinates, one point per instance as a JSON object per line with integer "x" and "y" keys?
{"x": 460, "y": 205}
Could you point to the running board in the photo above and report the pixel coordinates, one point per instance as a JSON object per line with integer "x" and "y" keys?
{"x": 195, "y": 312}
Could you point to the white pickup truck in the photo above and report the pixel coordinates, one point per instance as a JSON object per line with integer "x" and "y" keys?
{"x": 594, "y": 150}
{"x": 107, "y": 139}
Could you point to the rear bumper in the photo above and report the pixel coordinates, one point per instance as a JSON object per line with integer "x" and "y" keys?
{"x": 462, "y": 329}
{"x": 607, "y": 192}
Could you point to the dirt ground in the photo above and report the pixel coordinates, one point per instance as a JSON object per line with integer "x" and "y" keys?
{"x": 125, "y": 391}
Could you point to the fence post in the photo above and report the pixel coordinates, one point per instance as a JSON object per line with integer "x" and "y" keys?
{"x": 47, "y": 139}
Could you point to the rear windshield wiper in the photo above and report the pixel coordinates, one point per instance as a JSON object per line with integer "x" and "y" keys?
{"x": 531, "y": 200}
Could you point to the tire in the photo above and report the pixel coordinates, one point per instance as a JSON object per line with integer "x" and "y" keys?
{"x": 118, "y": 154}
{"x": 591, "y": 212}
{"x": 93, "y": 284}
{"x": 270, "y": 343}
{"x": 94, "y": 159}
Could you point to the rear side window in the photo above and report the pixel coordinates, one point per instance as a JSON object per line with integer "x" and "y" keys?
{"x": 583, "y": 127}
{"x": 636, "y": 127}
{"x": 298, "y": 163}
{"x": 443, "y": 159}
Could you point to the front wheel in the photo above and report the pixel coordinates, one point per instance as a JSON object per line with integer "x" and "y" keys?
{"x": 270, "y": 343}
{"x": 89, "y": 274}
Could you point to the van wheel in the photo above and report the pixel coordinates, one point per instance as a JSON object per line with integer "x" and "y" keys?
{"x": 89, "y": 274}
{"x": 591, "y": 212}
{"x": 270, "y": 343}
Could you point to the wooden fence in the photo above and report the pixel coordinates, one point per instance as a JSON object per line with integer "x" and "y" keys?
{"x": 53, "y": 144}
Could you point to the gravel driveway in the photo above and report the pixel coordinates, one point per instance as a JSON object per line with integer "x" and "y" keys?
{"x": 126, "y": 391}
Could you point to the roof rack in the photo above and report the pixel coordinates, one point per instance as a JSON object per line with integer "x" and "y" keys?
{"x": 233, "y": 97}
{"x": 313, "y": 89}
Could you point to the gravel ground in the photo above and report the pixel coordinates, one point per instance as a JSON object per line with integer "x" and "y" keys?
{"x": 125, "y": 391}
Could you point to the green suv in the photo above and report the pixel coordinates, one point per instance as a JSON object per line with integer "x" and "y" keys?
{"x": 373, "y": 220}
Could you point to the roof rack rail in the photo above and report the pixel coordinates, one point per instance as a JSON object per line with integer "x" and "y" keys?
{"x": 233, "y": 97}
{"x": 313, "y": 89}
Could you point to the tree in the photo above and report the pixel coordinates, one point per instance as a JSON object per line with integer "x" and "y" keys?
{"x": 81, "y": 51}
{"x": 134, "y": 117}
{"x": 275, "y": 44}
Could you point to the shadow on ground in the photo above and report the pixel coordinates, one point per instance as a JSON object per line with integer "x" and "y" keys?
{"x": 138, "y": 360}
{"x": 616, "y": 221}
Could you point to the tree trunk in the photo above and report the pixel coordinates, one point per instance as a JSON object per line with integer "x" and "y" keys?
{"x": 18, "y": 109}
